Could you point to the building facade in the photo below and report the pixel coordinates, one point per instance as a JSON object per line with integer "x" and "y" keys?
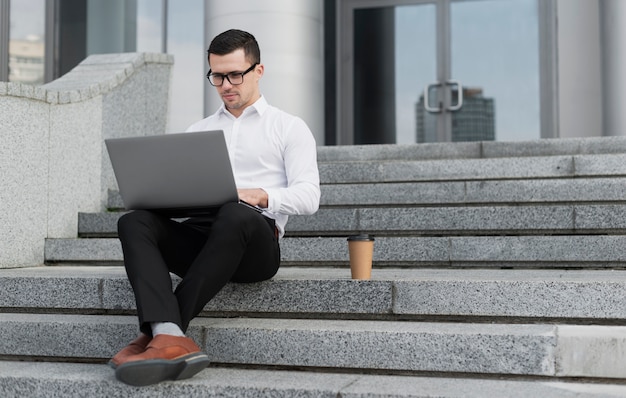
{"x": 354, "y": 70}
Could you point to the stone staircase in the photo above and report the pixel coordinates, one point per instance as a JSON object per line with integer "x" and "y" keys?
{"x": 500, "y": 271}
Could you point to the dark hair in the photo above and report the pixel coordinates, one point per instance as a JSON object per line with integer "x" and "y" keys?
{"x": 234, "y": 39}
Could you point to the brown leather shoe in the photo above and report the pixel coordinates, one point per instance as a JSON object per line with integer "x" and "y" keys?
{"x": 135, "y": 347}
{"x": 165, "y": 358}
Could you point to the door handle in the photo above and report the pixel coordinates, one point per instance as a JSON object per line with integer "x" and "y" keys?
{"x": 459, "y": 101}
{"x": 452, "y": 107}
{"x": 427, "y": 98}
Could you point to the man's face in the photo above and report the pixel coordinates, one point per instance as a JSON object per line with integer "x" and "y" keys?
{"x": 236, "y": 97}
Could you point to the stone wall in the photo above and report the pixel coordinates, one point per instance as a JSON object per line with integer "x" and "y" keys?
{"x": 53, "y": 161}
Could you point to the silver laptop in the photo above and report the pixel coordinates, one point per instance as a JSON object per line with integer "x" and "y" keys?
{"x": 178, "y": 175}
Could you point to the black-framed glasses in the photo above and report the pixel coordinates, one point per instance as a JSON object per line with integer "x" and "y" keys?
{"x": 234, "y": 78}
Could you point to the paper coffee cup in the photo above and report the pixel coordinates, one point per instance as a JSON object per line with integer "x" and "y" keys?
{"x": 361, "y": 249}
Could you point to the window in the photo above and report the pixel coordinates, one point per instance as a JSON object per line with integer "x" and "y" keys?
{"x": 26, "y": 41}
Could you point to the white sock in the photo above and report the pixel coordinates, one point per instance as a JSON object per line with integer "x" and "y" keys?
{"x": 166, "y": 328}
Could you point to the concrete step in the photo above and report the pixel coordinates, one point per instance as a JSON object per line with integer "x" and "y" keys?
{"x": 565, "y": 251}
{"x": 473, "y": 150}
{"x": 549, "y": 350}
{"x": 39, "y": 380}
{"x": 490, "y": 192}
{"x": 499, "y": 295}
{"x": 516, "y": 192}
{"x": 474, "y": 169}
{"x": 487, "y": 220}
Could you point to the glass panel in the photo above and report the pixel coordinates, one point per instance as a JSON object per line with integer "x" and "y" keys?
{"x": 374, "y": 103}
{"x": 26, "y": 41}
{"x": 149, "y": 25}
{"x": 495, "y": 56}
{"x": 394, "y": 59}
{"x": 416, "y": 67}
{"x": 186, "y": 42}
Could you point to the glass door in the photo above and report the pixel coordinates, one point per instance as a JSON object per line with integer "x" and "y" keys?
{"x": 395, "y": 56}
{"x": 494, "y": 48}
{"x": 441, "y": 70}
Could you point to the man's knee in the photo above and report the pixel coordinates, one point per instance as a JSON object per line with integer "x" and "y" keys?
{"x": 234, "y": 211}
{"x": 237, "y": 216}
{"x": 131, "y": 220}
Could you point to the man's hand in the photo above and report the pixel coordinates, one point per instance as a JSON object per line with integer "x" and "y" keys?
{"x": 254, "y": 196}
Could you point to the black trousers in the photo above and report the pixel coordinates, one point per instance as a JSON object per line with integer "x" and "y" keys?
{"x": 234, "y": 244}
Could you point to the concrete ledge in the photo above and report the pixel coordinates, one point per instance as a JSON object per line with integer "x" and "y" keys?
{"x": 474, "y": 348}
{"x": 467, "y": 251}
{"x": 458, "y": 251}
{"x": 30, "y": 379}
{"x": 574, "y": 191}
{"x": 474, "y": 150}
{"x": 512, "y": 293}
{"x": 114, "y": 200}
{"x": 53, "y": 159}
{"x": 498, "y": 180}
{"x": 96, "y": 75}
{"x": 83, "y": 250}
{"x": 383, "y": 152}
{"x": 446, "y": 170}
{"x": 509, "y": 220}
{"x": 597, "y": 190}
{"x": 474, "y": 169}
{"x": 445, "y": 347}
{"x": 539, "y": 249}
{"x": 592, "y": 351}
{"x": 555, "y": 147}
{"x": 412, "y": 346}
{"x": 543, "y": 294}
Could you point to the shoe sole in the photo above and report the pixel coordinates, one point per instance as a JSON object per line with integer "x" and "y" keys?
{"x": 152, "y": 371}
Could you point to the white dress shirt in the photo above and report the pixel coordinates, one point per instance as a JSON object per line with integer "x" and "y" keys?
{"x": 272, "y": 150}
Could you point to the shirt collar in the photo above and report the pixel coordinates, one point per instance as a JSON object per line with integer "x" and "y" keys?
{"x": 260, "y": 106}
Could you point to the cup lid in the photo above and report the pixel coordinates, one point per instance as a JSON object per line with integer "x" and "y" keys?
{"x": 360, "y": 237}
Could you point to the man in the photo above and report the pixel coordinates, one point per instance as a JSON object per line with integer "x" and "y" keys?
{"x": 273, "y": 155}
